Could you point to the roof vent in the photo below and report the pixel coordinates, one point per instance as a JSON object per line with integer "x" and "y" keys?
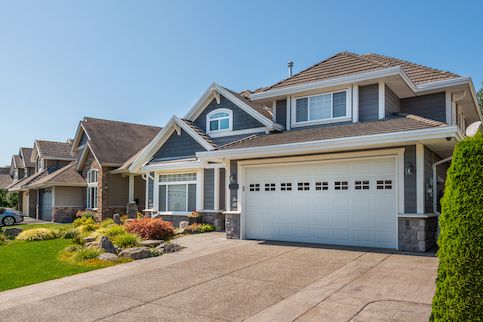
{"x": 290, "y": 68}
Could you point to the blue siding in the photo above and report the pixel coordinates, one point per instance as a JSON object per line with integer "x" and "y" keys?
{"x": 209, "y": 189}
{"x": 281, "y": 113}
{"x": 178, "y": 146}
{"x": 222, "y": 189}
{"x": 241, "y": 120}
{"x": 392, "y": 102}
{"x": 233, "y": 192}
{"x": 431, "y": 106}
{"x": 369, "y": 102}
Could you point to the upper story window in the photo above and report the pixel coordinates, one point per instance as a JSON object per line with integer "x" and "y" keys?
{"x": 15, "y": 175}
{"x": 92, "y": 177}
{"x": 219, "y": 120}
{"x": 40, "y": 164}
{"x": 321, "y": 108}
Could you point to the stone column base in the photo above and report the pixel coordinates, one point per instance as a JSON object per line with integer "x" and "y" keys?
{"x": 232, "y": 225}
{"x": 64, "y": 214}
{"x": 417, "y": 234}
{"x": 214, "y": 218}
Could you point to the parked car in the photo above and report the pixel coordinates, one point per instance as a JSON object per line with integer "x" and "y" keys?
{"x": 9, "y": 217}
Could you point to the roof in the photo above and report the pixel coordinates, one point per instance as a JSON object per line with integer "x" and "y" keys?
{"x": 262, "y": 109}
{"x": 114, "y": 142}
{"x": 18, "y": 161}
{"x": 4, "y": 170}
{"x": 26, "y": 153}
{"x": 5, "y": 180}
{"x": 200, "y": 132}
{"x": 51, "y": 149}
{"x": 20, "y": 184}
{"x": 66, "y": 176}
{"x": 347, "y": 63}
{"x": 395, "y": 123}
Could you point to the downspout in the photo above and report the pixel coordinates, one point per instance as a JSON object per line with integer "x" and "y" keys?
{"x": 435, "y": 184}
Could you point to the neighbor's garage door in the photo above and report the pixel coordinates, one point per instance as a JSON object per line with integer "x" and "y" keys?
{"x": 46, "y": 205}
{"x": 343, "y": 202}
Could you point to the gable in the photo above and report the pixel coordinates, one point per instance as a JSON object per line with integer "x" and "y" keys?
{"x": 241, "y": 119}
{"x": 178, "y": 147}
{"x": 83, "y": 139}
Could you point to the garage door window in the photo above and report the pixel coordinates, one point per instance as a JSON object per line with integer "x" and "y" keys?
{"x": 254, "y": 187}
{"x": 362, "y": 185}
{"x": 303, "y": 186}
{"x": 341, "y": 185}
{"x": 270, "y": 187}
{"x": 321, "y": 186}
{"x": 384, "y": 184}
{"x": 286, "y": 186}
{"x": 177, "y": 192}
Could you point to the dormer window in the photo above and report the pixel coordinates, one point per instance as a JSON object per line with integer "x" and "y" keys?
{"x": 321, "y": 108}
{"x": 40, "y": 164}
{"x": 219, "y": 120}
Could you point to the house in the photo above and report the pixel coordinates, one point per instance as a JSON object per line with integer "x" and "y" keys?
{"x": 105, "y": 150}
{"x": 46, "y": 157}
{"x": 20, "y": 168}
{"x": 5, "y": 178}
{"x": 350, "y": 151}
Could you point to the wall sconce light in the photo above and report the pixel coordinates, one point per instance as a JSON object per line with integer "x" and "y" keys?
{"x": 409, "y": 170}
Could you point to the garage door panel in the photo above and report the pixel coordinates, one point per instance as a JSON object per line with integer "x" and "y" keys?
{"x": 362, "y": 215}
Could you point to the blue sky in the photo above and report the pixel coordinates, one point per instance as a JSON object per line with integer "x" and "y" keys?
{"x": 142, "y": 61}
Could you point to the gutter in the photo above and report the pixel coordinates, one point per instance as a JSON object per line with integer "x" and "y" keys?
{"x": 332, "y": 145}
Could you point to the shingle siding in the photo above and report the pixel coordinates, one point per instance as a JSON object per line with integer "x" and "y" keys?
{"x": 281, "y": 112}
{"x": 178, "y": 146}
{"x": 241, "y": 120}
{"x": 432, "y": 106}
{"x": 209, "y": 189}
{"x": 392, "y": 102}
{"x": 369, "y": 102}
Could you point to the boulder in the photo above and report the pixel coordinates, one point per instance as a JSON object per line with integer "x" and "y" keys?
{"x": 183, "y": 224}
{"x": 117, "y": 219}
{"x": 89, "y": 239}
{"x": 135, "y": 253}
{"x": 107, "y": 257}
{"x": 151, "y": 243}
{"x": 92, "y": 244}
{"x": 131, "y": 210}
{"x": 106, "y": 245}
{"x": 11, "y": 233}
{"x": 165, "y": 248}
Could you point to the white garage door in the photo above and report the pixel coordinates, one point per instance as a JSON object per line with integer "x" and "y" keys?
{"x": 343, "y": 202}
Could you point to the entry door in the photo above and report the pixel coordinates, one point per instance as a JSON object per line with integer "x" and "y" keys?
{"x": 46, "y": 205}
{"x": 343, "y": 202}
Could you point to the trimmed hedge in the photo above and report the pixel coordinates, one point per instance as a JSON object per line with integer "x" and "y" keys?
{"x": 459, "y": 285}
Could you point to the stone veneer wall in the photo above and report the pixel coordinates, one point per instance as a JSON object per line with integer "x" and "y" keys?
{"x": 64, "y": 214}
{"x": 232, "y": 225}
{"x": 175, "y": 220}
{"x": 216, "y": 219}
{"x": 417, "y": 234}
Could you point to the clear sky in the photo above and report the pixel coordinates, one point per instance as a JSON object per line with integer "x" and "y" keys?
{"x": 142, "y": 61}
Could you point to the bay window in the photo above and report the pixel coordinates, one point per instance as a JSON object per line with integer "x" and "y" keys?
{"x": 92, "y": 181}
{"x": 177, "y": 192}
{"x": 321, "y": 108}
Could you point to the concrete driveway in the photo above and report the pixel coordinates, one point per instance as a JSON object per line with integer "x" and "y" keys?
{"x": 215, "y": 279}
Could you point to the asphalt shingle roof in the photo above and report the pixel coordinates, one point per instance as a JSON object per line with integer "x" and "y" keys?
{"x": 66, "y": 175}
{"x": 51, "y": 149}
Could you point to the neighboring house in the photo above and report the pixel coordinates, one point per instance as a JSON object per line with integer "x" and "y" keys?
{"x": 20, "y": 168}
{"x": 106, "y": 149}
{"x": 46, "y": 157}
{"x": 351, "y": 151}
{"x": 5, "y": 178}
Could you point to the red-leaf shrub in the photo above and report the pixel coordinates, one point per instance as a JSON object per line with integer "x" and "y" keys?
{"x": 151, "y": 228}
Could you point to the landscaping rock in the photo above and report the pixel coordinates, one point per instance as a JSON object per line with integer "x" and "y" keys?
{"x": 165, "y": 248}
{"x": 151, "y": 243}
{"x": 131, "y": 210}
{"x": 135, "y": 253}
{"x": 11, "y": 233}
{"x": 92, "y": 244}
{"x": 117, "y": 219}
{"x": 107, "y": 257}
{"x": 107, "y": 245}
{"x": 89, "y": 239}
{"x": 183, "y": 224}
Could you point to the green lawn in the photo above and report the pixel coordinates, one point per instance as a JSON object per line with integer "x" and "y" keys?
{"x": 24, "y": 263}
{"x": 30, "y": 226}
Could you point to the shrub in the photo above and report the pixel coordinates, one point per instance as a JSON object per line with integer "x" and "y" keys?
{"x": 126, "y": 240}
{"x": 72, "y": 248}
{"x": 86, "y": 214}
{"x": 36, "y": 234}
{"x": 110, "y": 231}
{"x": 193, "y": 228}
{"x": 87, "y": 253}
{"x": 199, "y": 228}
{"x": 151, "y": 228}
{"x": 205, "y": 228}
{"x": 459, "y": 285}
{"x": 85, "y": 220}
{"x": 3, "y": 239}
{"x": 106, "y": 223}
{"x": 71, "y": 233}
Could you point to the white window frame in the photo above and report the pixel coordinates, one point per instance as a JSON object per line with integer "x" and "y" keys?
{"x": 92, "y": 185}
{"x": 40, "y": 164}
{"x": 219, "y": 110}
{"x": 348, "y": 109}
{"x": 169, "y": 183}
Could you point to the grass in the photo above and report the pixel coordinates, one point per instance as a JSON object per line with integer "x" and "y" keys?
{"x": 30, "y": 226}
{"x": 24, "y": 263}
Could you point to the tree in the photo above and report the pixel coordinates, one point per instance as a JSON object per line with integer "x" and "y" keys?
{"x": 459, "y": 285}
{"x": 480, "y": 97}
{"x": 12, "y": 200}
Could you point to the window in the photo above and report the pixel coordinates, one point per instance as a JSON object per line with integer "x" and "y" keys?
{"x": 303, "y": 186}
{"x": 341, "y": 185}
{"x": 321, "y": 186}
{"x": 286, "y": 186}
{"x": 40, "y": 164}
{"x": 92, "y": 181}
{"x": 254, "y": 187}
{"x": 219, "y": 120}
{"x": 177, "y": 192}
{"x": 269, "y": 186}
{"x": 384, "y": 184}
{"x": 362, "y": 185}
{"x": 321, "y": 107}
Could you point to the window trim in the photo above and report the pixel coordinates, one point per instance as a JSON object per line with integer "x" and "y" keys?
{"x": 220, "y": 110}
{"x": 91, "y": 185}
{"x": 348, "y": 109}
{"x": 170, "y": 183}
